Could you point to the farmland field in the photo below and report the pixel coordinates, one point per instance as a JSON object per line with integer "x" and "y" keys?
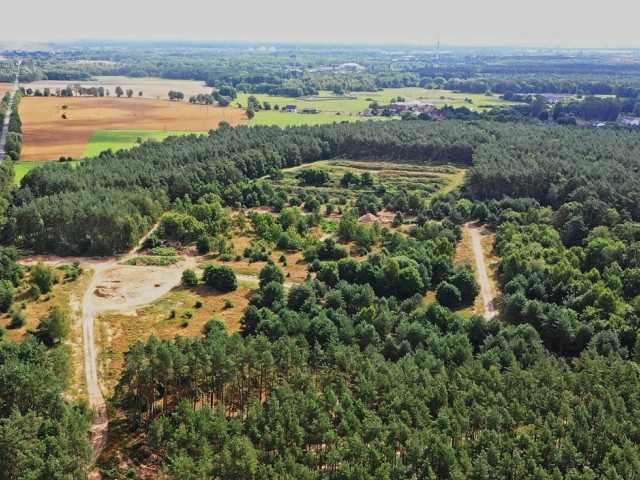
{"x": 151, "y": 87}
{"x": 121, "y": 139}
{"x": 48, "y": 136}
{"x": 4, "y": 87}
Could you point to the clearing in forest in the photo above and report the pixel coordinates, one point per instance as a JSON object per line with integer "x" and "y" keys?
{"x": 48, "y": 136}
{"x": 425, "y": 179}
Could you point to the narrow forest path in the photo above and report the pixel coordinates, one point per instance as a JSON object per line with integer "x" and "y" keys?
{"x": 487, "y": 289}
{"x": 100, "y": 428}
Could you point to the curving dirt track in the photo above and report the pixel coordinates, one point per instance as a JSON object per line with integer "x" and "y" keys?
{"x": 486, "y": 287}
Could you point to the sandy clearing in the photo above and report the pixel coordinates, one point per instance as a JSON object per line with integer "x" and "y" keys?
{"x": 117, "y": 288}
{"x": 47, "y": 136}
{"x": 486, "y": 287}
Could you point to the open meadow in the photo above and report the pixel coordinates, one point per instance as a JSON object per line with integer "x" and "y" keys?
{"x": 48, "y": 136}
{"x": 284, "y": 119}
{"x": 357, "y": 102}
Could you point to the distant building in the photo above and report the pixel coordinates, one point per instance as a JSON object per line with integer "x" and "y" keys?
{"x": 598, "y": 124}
{"x": 553, "y": 98}
{"x": 350, "y": 67}
{"x": 413, "y": 105}
{"x": 631, "y": 121}
{"x": 290, "y": 108}
{"x": 309, "y": 110}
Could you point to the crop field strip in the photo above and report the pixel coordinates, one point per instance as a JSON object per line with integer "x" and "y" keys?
{"x": 47, "y": 135}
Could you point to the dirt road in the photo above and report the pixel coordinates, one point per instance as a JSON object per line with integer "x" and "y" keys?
{"x": 486, "y": 287}
{"x": 119, "y": 288}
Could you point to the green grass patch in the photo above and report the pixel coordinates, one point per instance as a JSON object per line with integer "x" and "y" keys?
{"x": 329, "y": 226}
{"x": 153, "y": 261}
{"x": 283, "y": 119}
{"x": 325, "y": 101}
{"x": 356, "y": 102}
{"x": 22, "y": 168}
{"x": 120, "y": 139}
{"x": 165, "y": 251}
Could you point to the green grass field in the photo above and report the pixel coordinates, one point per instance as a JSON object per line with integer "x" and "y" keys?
{"x": 282, "y": 119}
{"x": 120, "y": 139}
{"x": 22, "y": 168}
{"x": 327, "y": 102}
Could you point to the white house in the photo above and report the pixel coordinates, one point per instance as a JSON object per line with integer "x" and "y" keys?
{"x": 631, "y": 121}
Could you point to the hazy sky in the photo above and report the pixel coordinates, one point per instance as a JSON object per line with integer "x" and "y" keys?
{"x": 490, "y": 22}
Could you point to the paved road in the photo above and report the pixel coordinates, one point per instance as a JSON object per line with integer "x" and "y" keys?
{"x": 5, "y": 125}
{"x": 486, "y": 288}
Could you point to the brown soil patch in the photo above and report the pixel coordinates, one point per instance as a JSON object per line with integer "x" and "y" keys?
{"x": 48, "y": 136}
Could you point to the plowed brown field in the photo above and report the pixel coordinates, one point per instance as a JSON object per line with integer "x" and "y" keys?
{"x": 47, "y": 136}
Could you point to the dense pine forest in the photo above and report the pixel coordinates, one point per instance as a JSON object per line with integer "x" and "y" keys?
{"x": 350, "y": 374}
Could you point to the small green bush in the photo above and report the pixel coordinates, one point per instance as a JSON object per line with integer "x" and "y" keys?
{"x": 18, "y": 320}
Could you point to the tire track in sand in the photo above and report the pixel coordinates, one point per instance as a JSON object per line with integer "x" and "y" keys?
{"x": 486, "y": 286}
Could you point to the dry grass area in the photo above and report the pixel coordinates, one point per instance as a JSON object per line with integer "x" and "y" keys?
{"x": 150, "y": 87}
{"x": 491, "y": 260}
{"x": 115, "y": 332}
{"x": 464, "y": 254}
{"x": 47, "y": 136}
{"x": 67, "y": 294}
